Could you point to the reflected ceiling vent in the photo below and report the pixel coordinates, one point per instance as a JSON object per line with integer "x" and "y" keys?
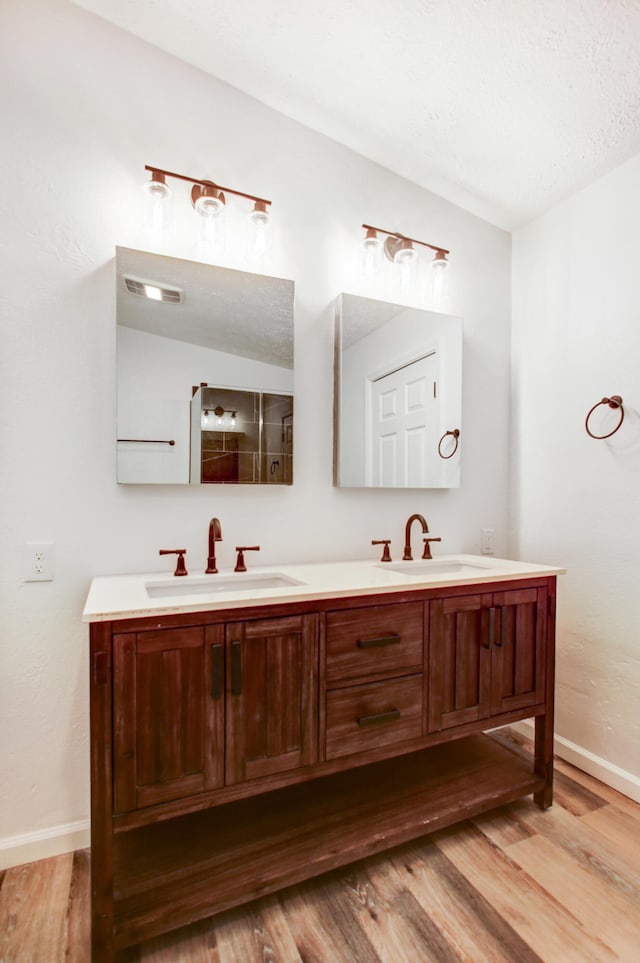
{"x": 154, "y": 290}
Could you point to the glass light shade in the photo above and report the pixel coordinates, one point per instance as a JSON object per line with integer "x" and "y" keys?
{"x": 206, "y": 420}
{"x": 406, "y": 258}
{"x": 439, "y": 278}
{"x": 259, "y": 232}
{"x": 371, "y": 255}
{"x": 209, "y": 204}
{"x": 156, "y": 205}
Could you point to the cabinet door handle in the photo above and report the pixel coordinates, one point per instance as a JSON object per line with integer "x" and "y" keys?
{"x": 236, "y": 668}
{"x": 378, "y": 717}
{"x": 216, "y": 671}
{"x": 498, "y": 642}
{"x": 492, "y": 627}
{"x": 391, "y": 639}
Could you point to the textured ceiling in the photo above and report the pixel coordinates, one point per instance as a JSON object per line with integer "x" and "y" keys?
{"x": 249, "y": 315}
{"x": 502, "y": 106}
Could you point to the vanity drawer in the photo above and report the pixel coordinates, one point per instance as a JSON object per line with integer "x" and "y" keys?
{"x": 368, "y": 716}
{"x": 372, "y": 640}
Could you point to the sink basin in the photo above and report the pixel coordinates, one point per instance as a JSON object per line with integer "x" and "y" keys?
{"x": 431, "y": 566}
{"x": 218, "y": 584}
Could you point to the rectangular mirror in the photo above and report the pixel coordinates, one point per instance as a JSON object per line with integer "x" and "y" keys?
{"x": 398, "y": 396}
{"x": 204, "y": 373}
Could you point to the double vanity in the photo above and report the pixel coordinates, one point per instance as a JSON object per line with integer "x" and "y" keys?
{"x": 250, "y": 730}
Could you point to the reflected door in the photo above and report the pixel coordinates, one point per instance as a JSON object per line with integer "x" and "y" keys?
{"x": 403, "y": 425}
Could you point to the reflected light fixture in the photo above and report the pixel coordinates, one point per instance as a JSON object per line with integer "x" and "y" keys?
{"x": 209, "y": 202}
{"x": 402, "y": 251}
{"x": 218, "y": 420}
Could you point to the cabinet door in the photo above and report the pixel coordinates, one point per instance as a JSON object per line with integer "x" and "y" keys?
{"x": 459, "y": 661}
{"x": 272, "y": 673}
{"x": 168, "y": 714}
{"x": 518, "y": 649}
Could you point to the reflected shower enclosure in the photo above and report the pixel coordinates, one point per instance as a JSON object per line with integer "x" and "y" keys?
{"x": 241, "y": 437}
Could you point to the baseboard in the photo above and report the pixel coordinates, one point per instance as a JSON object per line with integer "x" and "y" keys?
{"x": 54, "y": 841}
{"x": 611, "y": 775}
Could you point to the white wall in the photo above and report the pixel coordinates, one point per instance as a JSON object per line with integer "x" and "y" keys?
{"x": 84, "y": 107}
{"x": 576, "y": 339}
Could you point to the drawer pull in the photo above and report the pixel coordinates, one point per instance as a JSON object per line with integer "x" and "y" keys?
{"x": 378, "y": 717}
{"x": 392, "y": 639}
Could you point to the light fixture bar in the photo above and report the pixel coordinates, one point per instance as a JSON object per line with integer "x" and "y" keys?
{"x": 219, "y": 187}
{"x": 403, "y": 237}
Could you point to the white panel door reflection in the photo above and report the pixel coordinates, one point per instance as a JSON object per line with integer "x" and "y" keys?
{"x": 403, "y": 416}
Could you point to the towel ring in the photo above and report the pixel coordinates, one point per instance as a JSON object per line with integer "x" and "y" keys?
{"x": 456, "y": 435}
{"x": 615, "y": 401}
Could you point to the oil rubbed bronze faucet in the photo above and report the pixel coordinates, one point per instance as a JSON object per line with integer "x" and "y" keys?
{"x": 215, "y": 535}
{"x": 408, "y": 557}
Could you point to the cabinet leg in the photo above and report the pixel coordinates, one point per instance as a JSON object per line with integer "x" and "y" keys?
{"x": 543, "y": 763}
{"x": 101, "y": 940}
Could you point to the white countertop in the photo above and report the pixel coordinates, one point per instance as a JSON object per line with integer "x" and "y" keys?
{"x": 160, "y": 593}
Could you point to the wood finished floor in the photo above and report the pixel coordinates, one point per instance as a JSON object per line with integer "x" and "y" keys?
{"x": 513, "y": 885}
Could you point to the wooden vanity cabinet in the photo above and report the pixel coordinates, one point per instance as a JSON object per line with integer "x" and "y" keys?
{"x": 272, "y": 679}
{"x": 201, "y": 706}
{"x": 236, "y": 752}
{"x": 168, "y": 714}
{"x": 374, "y": 678}
{"x": 487, "y": 656}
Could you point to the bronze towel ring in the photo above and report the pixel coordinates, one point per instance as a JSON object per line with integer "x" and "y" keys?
{"x": 456, "y": 435}
{"x": 615, "y": 401}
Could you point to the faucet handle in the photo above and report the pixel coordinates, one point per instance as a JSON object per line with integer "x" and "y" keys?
{"x": 386, "y": 554}
{"x": 241, "y": 549}
{"x": 181, "y": 568}
{"x": 427, "y": 546}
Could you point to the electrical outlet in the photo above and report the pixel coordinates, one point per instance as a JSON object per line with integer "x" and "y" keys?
{"x": 38, "y": 561}
{"x": 487, "y": 541}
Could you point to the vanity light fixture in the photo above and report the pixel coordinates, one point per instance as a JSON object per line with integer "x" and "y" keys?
{"x": 402, "y": 251}
{"x": 209, "y": 202}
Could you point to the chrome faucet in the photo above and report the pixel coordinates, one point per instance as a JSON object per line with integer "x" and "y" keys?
{"x": 215, "y": 535}
{"x": 407, "y": 557}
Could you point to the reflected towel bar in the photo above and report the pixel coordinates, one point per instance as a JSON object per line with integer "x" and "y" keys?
{"x": 146, "y": 441}
{"x": 455, "y": 435}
